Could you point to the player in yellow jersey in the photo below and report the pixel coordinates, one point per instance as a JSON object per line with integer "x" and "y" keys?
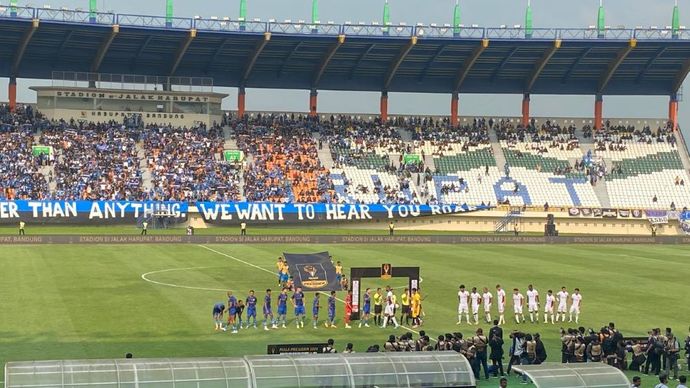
{"x": 338, "y": 271}
{"x": 280, "y": 265}
{"x": 378, "y": 307}
{"x": 405, "y": 307}
{"x": 416, "y": 307}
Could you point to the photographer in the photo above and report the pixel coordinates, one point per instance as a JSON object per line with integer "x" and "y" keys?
{"x": 687, "y": 350}
{"x": 517, "y": 350}
{"x": 594, "y": 350}
{"x": 568, "y": 345}
{"x": 671, "y": 352}
{"x": 655, "y": 348}
{"x": 540, "y": 349}
{"x": 480, "y": 344}
{"x": 638, "y": 358}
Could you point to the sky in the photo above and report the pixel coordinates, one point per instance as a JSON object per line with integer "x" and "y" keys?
{"x": 486, "y": 13}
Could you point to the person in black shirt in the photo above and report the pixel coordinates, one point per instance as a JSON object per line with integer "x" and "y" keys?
{"x": 496, "y": 355}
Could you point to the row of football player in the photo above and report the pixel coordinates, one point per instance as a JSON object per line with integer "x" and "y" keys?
{"x": 411, "y": 309}
{"x": 473, "y": 300}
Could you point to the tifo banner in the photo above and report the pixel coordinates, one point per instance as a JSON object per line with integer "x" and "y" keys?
{"x": 87, "y": 212}
{"x": 237, "y": 212}
{"x": 312, "y": 272}
{"x": 657, "y": 217}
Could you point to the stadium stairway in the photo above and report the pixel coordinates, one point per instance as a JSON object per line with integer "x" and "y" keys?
{"x": 684, "y": 157}
{"x": 586, "y": 144}
{"x": 146, "y": 177}
{"x": 405, "y": 135}
{"x": 602, "y": 193}
{"x": 325, "y": 155}
{"x": 48, "y": 171}
{"x": 497, "y": 151}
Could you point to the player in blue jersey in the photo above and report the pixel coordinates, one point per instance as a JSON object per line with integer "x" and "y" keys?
{"x": 282, "y": 307}
{"x": 251, "y": 309}
{"x": 232, "y": 312}
{"x": 366, "y": 309}
{"x": 331, "y": 311}
{"x": 298, "y": 303}
{"x": 315, "y": 307}
{"x": 218, "y": 310}
{"x": 268, "y": 312}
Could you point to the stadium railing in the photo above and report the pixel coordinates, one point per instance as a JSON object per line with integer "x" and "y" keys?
{"x": 358, "y": 29}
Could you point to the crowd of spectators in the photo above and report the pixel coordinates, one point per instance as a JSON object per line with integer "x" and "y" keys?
{"x": 20, "y": 177}
{"x": 94, "y": 162}
{"x": 614, "y": 137}
{"x": 549, "y": 135}
{"x": 285, "y": 165}
{"x": 186, "y": 164}
{"x": 351, "y": 140}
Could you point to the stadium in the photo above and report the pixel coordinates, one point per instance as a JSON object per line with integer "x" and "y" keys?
{"x": 174, "y": 214}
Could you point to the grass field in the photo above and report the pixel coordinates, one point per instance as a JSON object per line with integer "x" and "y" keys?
{"x": 73, "y": 302}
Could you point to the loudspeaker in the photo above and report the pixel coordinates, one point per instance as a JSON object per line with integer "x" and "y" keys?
{"x": 550, "y": 230}
{"x": 550, "y": 219}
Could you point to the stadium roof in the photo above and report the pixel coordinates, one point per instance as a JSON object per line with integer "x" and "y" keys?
{"x": 429, "y": 369}
{"x": 301, "y": 55}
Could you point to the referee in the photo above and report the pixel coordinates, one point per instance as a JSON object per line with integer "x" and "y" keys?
{"x": 378, "y": 308}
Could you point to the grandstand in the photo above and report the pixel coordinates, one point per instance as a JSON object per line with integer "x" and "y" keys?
{"x": 129, "y": 151}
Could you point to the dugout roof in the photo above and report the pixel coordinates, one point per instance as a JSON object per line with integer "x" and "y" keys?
{"x": 298, "y": 55}
{"x": 420, "y": 369}
{"x": 578, "y": 375}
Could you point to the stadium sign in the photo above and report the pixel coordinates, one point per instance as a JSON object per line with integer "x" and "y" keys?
{"x": 86, "y": 212}
{"x": 236, "y": 212}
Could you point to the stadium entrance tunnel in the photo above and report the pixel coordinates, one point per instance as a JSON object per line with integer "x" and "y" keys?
{"x": 419, "y": 369}
{"x": 578, "y": 375}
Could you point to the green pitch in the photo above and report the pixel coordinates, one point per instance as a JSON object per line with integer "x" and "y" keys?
{"x": 73, "y": 302}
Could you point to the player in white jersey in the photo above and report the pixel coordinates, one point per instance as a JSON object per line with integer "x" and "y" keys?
{"x": 548, "y": 307}
{"x": 532, "y": 303}
{"x": 562, "y": 298}
{"x": 487, "y": 298}
{"x": 576, "y": 297}
{"x": 518, "y": 303}
{"x": 463, "y": 304}
{"x": 501, "y": 303}
{"x": 476, "y": 300}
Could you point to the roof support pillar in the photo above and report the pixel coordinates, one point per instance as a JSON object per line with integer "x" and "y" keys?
{"x": 313, "y": 99}
{"x": 255, "y": 56}
{"x": 613, "y": 66}
{"x": 468, "y": 63}
{"x": 673, "y": 111}
{"x": 454, "y": 107}
{"x": 525, "y": 109}
{"x": 12, "y": 93}
{"x": 182, "y": 50}
{"x": 241, "y": 93}
{"x": 384, "y": 107}
{"x": 541, "y": 64}
{"x": 398, "y": 61}
{"x": 598, "y": 111}
{"x": 23, "y": 44}
{"x": 102, "y": 51}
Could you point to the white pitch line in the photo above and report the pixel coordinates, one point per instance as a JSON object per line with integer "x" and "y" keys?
{"x": 272, "y": 273}
{"x": 145, "y": 278}
{"x": 239, "y": 260}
